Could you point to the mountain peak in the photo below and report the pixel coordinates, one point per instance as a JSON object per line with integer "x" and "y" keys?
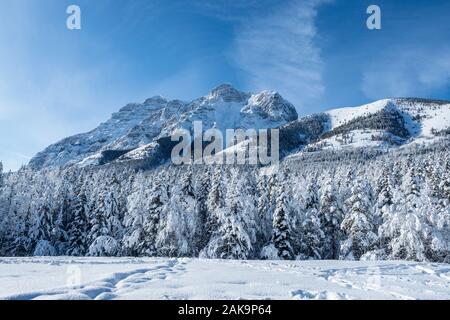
{"x": 156, "y": 100}
{"x": 227, "y": 93}
{"x": 273, "y": 105}
{"x": 140, "y": 124}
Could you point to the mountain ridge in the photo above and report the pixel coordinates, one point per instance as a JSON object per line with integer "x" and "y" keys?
{"x": 135, "y": 131}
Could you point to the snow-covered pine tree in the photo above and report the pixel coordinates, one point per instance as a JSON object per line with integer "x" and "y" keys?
{"x": 444, "y": 186}
{"x": 438, "y": 244}
{"x": 20, "y": 187}
{"x": 115, "y": 209}
{"x": 349, "y": 180}
{"x": 113, "y": 213}
{"x": 61, "y": 212}
{"x": 202, "y": 186}
{"x": 434, "y": 181}
{"x": 246, "y": 192}
{"x": 42, "y": 222}
{"x": 384, "y": 206}
{"x": 358, "y": 224}
{"x": 98, "y": 215}
{"x": 176, "y": 235}
{"x": 405, "y": 226}
{"x": 428, "y": 167}
{"x": 311, "y": 234}
{"x": 231, "y": 240}
{"x": 78, "y": 229}
{"x": 157, "y": 202}
{"x": 215, "y": 202}
{"x": 330, "y": 216}
{"x": 282, "y": 233}
{"x": 133, "y": 240}
{"x": 272, "y": 186}
{"x": 384, "y": 194}
{"x": 104, "y": 216}
{"x": 265, "y": 210}
{"x": 438, "y": 215}
{"x": 41, "y": 212}
{"x": 397, "y": 173}
{"x": 4, "y": 206}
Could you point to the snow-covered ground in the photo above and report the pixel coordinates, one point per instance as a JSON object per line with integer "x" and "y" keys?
{"x": 134, "y": 278}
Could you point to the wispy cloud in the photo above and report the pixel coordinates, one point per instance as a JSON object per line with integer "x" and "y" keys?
{"x": 236, "y": 10}
{"x": 278, "y": 50}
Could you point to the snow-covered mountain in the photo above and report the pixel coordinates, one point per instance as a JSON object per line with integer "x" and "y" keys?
{"x": 336, "y": 195}
{"x": 387, "y": 123}
{"x": 136, "y": 128}
{"x": 137, "y": 131}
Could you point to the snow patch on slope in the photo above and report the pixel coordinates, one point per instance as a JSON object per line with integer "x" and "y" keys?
{"x": 339, "y": 117}
{"x": 357, "y": 139}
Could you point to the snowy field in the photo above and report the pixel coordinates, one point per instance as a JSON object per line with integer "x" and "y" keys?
{"x": 133, "y": 278}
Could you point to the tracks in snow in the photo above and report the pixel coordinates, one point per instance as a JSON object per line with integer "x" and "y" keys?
{"x": 346, "y": 280}
{"x": 112, "y": 286}
{"x": 194, "y": 278}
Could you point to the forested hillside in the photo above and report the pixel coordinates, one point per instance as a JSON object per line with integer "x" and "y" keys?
{"x": 327, "y": 205}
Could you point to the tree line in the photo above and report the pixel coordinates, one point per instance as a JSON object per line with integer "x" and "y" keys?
{"x": 393, "y": 205}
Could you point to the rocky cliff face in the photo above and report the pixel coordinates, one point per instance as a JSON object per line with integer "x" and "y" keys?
{"x": 138, "y": 127}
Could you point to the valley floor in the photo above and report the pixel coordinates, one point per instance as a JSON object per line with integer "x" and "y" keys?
{"x": 135, "y": 278}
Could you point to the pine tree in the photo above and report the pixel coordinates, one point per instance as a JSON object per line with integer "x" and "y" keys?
{"x": 19, "y": 214}
{"x": 358, "y": 224}
{"x": 157, "y": 203}
{"x": 61, "y": 214}
{"x": 245, "y": 192}
{"x": 98, "y": 217}
{"x": 176, "y": 235}
{"x": 201, "y": 188}
{"x": 349, "y": 180}
{"x": 4, "y": 206}
{"x": 312, "y": 236}
{"x": 231, "y": 240}
{"x": 215, "y": 202}
{"x": 112, "y": 214}
{"x": 41, "y": 216}
{"x": 444, "y": 186}
{"x": 330, "y": 218}
{"x": 265, "y": 209}
{"x": 405, "y": 227}
{"x": 282, "y": 237}
{"x": 385, "y": 196}
{"x": 434, "y": 181}
{"x": 79, "y": 224}
{"x": 438, "y": 244}
{"x": 133, "y": 240}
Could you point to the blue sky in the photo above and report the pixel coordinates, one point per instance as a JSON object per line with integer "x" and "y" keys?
{"x": 318, "y": 53}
